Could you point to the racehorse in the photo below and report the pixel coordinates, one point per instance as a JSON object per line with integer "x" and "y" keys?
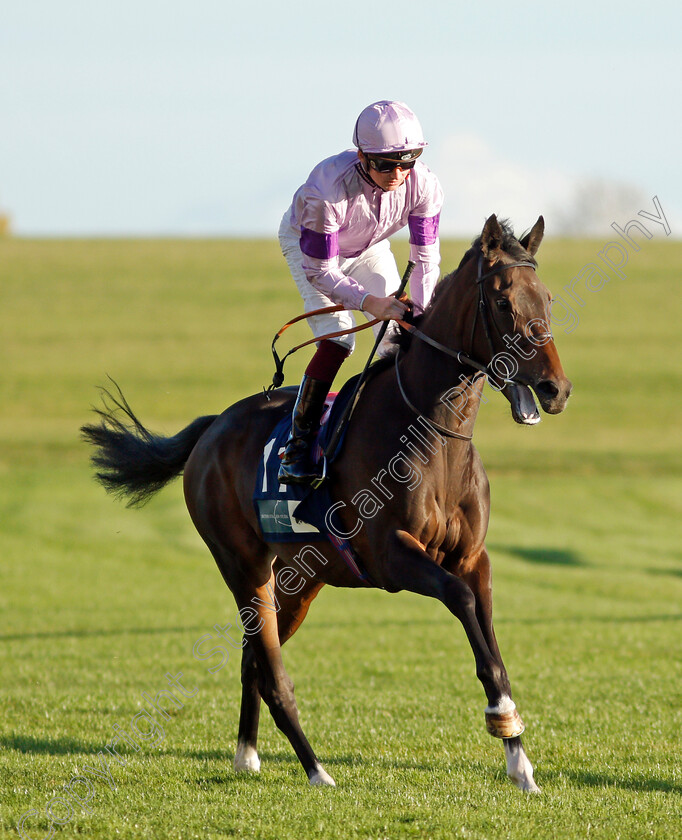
{"x": 409, "y": 489}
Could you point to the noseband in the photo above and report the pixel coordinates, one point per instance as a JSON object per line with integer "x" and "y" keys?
{"x": 462, "y": 358}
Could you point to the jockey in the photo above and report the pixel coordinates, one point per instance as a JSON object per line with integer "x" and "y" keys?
{"x": 334, "y": 238}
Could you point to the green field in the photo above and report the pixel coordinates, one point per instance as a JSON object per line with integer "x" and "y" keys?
{"x": 99, "y": 602}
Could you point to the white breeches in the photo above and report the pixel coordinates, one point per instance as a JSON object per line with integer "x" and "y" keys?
{"x": 375, "y": 270}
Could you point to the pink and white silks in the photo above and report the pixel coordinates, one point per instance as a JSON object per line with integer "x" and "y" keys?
{"x": 335, "y": 238}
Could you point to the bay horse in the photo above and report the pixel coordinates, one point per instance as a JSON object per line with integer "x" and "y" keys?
{"x": 409, "y": 489}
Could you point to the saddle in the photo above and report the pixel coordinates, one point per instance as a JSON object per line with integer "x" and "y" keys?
{"x": 296, "y": 512}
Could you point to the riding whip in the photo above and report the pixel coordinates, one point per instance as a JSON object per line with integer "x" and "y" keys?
{"x": 334, "y": 440}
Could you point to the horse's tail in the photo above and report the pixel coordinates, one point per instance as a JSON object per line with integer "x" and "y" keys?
{"x": 131, "y": 462}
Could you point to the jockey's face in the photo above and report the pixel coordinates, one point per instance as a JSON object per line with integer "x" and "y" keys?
{"x": 388, "y": 181}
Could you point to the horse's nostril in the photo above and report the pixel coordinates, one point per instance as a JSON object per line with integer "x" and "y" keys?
{"x": 547, "y": 389}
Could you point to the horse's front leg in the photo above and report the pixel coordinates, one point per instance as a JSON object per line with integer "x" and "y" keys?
{"x": 479, "y": 579}
{"x": 409, "y": 567}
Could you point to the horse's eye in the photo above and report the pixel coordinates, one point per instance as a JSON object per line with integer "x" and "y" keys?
{"x": 503, "y": 304}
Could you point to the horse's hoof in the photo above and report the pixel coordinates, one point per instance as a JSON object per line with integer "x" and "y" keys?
{"x": 519, "y": 768}
{"x": 246, "y": 759}
{"x": 527, "y": 785}
{"x": 319, "y": 776}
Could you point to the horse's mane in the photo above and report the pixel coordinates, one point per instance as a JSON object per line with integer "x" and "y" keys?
{"x": 510, "y": 245}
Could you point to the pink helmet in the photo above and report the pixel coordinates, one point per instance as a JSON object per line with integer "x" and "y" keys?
{"x": 388, "y": 127}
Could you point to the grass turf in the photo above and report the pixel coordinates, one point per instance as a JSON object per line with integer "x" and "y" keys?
{"x": 98, "y": 602}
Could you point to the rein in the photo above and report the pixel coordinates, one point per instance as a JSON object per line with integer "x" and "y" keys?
{"x": 278, "y": 376}
{"x": 461, "y": 357}
{"x": 432, "y": 422}
{"x": 486, "y": 316}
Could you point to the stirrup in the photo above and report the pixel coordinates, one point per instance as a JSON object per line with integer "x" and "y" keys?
{"x": 307, "y": 472}
{"x": 292, "y": 479}
{"x": 317, "y": 482}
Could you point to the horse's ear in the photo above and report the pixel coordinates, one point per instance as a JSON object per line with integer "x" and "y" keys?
{"x": 531, "y": 241}
{"x": 491, "y": 236}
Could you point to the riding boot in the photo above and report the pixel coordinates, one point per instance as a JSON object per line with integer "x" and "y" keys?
{"x": 297, "y": 466}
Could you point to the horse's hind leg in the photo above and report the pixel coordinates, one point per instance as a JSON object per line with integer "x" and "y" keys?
{"x": 246, "y": 758}
{"x": 273, "y": 682}
{"x": 292, "y": 611}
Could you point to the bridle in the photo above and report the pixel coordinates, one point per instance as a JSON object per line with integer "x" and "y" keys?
{"x": 463, "y": 358}
{"x": 486, "y": 317}
{"x": 483, "y": 308}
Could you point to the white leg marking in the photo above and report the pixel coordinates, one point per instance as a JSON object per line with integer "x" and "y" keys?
{"x": 246, "y": 759}
{"x": 319, "y": 776}
{"x": 505, "y": 705}
{"x": 519, "y": 768}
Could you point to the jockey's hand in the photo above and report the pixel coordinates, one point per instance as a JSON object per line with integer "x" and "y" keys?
{"x": 386, "y": 308}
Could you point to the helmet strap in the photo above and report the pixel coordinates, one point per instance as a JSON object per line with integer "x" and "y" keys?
{"x": 363, "y": 169}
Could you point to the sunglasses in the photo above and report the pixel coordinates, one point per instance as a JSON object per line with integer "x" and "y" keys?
{"x": 388, "y": 162}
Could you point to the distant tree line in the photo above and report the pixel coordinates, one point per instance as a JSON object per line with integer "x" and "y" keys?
{"x": 594, "y": 205}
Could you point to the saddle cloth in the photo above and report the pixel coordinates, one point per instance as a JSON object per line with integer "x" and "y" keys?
{"x": 296, "y": 512}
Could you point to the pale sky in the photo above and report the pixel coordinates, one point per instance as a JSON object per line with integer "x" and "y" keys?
{"x": 202, "y": 118}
